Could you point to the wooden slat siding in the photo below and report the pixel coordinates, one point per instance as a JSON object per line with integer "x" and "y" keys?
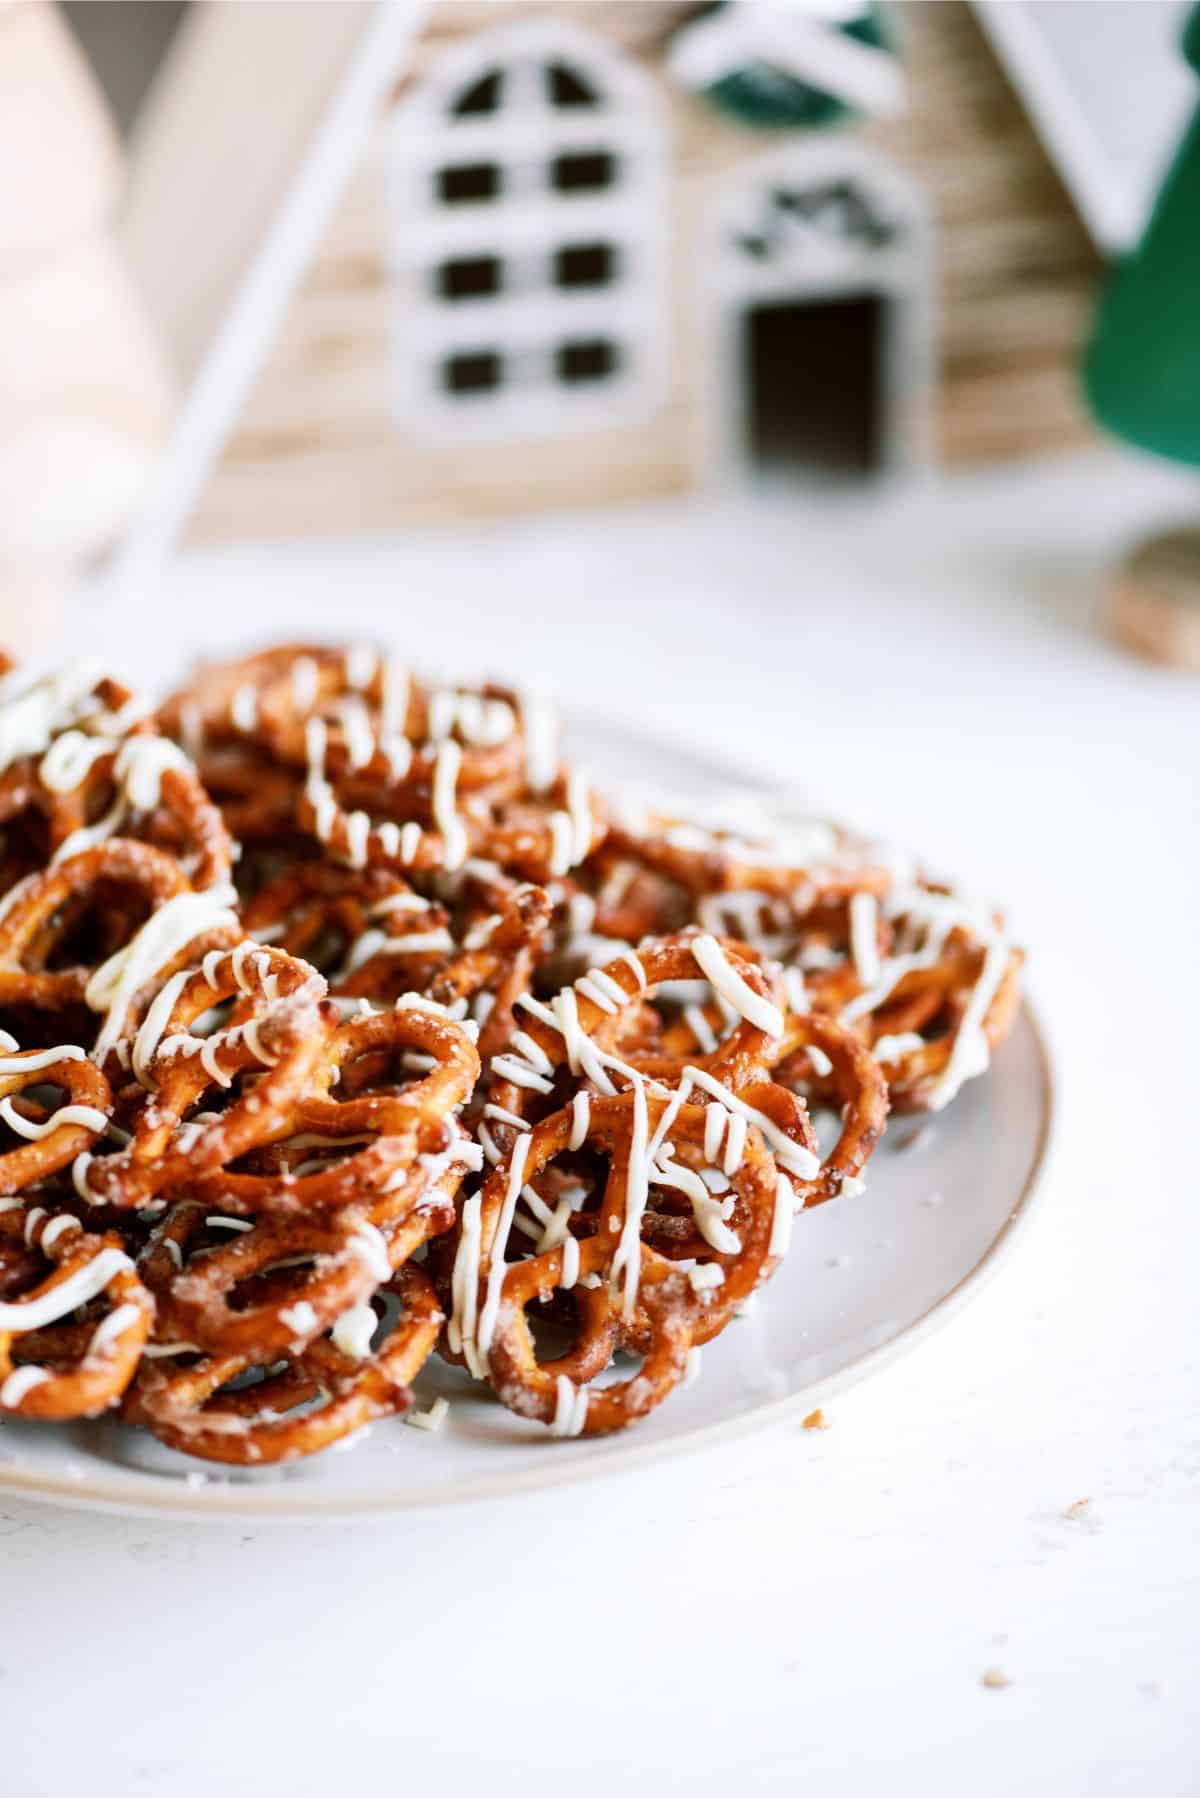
{"x": 1016, "y": 272}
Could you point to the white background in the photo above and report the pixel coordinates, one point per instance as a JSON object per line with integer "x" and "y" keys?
{"x": 796, "y": 1603}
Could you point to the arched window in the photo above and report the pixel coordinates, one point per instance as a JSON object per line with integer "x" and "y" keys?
{"x": 526, "y": 175}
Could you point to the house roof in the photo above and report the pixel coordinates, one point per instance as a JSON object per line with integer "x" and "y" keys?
{"x": 259, "y": 196}
{"x": 1108, "y": 93}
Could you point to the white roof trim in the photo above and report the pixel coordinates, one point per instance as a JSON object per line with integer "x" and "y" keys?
{"x": 1110, "y": 202}
{"x": 241, "y": 345}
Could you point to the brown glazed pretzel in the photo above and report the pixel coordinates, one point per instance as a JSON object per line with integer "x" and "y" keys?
{"x": 913, "y": 1076}
{"x": 600, "y": 1003}
{"x": 340, "y": 1263}
{"x": 553, "y": 1397}
{"x": 722, "y": 864}
{"x": 858, "y": 1089}
{"x": 386, "y": 1130}
{"x": 187, "y": 1409}
{"x": 66, "y": 1131}
{"x": 320, "y": 910}
{"x": 83, "y": 1378}
{"x": 501, "y": 965}
{"x": 282, "y": 1051}
{"x": 32, "y": 913}
{"x": 667, "y": 1317}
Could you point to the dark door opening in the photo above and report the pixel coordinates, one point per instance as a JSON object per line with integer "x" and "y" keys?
{"x": 812, "y": 371}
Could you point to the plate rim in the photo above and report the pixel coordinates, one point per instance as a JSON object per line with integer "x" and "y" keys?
{"x": 303, "y": 1504}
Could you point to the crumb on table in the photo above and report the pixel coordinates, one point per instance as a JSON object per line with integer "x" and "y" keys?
{"x": 994, "y": 1678}
{"x": 816, "y": 1420}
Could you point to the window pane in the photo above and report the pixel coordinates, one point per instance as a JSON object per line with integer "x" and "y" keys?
{"x": 469, "y": 182}
{"x": 474, "y": 371}
{"x": 469, "y": 277}
{"x": 484, "y": 96}
{"x": 584, "y": 265}
{"x": 587, "y": 359}
{"x": 583, "y": 171}
{"x": 567, "y": 88}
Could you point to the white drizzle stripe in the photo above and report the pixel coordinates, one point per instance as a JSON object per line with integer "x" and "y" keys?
{"x": 84, "y": 1284}
{"x": 353, "y": 1330}
{"x": 724, "y": 978}
{"x": 864, "y": 924}
{"x": 243, "y": 707}
{"x": 383, "y": 908}
{"x": 306, "y": 681}
{"x": 148, "y": 1038}
{"x": 627, "y": 1258}
{"x": 705, "y": 1209}
{"x": 56, "y": 1228}
{"x": 610, "y": 987}
{"x": 781, "y": 1217}
{"x": 581, "y": 1113}
{"x": 487, "y": 1142}
{"x": 30, "y": 719}
{"x": 791, "y": 1155}
{"x": 445, "y": 817}
{"x": 540, "y": 728}
{"x": 497, "y": 1266}
{"x": 588, "y": 988}
{"x": 85, "y": 1115}
{"x": 370, "y": 1244}
{"x": 891, "y": 1048}
{"x": 570, "y": 1409}
{"x": 561, "y": 844}
{"x": 465, "y": 1287}
{"x": 935, "y": 915}
{"x": 735, "y": 1143}
{"x": 176, "y": 923}
{"x": 506, "y": 1117}
{"x": 138, "y": 769}
{"x": 701, "y": 1029}
{"x": 108, "y": 1333}
{"x": 969, "y": 1056}
{"x": 34, "y": 1062}
{"x": 511, "y": 1067}
{"x": 579, "y": 813}
{"x": 361, "y": 661}
{"x": 20, "y": 1381}
{"x": 634, "y": 961}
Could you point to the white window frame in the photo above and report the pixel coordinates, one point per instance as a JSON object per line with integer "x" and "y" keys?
{"x": 816, "y": 267}
{"x": 525, "y": 225}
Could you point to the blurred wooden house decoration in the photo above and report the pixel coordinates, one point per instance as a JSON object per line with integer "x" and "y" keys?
{"x": 457, "y": 259}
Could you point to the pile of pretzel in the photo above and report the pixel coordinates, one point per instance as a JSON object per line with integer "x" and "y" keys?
{"x": 343, "y": 1023}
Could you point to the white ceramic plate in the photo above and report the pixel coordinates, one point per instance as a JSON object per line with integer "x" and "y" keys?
{"x": 865, "y": 1278}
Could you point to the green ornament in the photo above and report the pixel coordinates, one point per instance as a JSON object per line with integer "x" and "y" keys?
{"x": 1142, "y": 369}
{"x": 762, "y": 88}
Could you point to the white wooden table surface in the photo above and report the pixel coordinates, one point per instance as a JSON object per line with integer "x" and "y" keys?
{"x": 795, "y": 1604}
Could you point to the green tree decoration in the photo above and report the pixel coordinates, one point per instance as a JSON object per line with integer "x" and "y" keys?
{"x": 1142, "y": 369}
{"x": 790, "y": 64}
